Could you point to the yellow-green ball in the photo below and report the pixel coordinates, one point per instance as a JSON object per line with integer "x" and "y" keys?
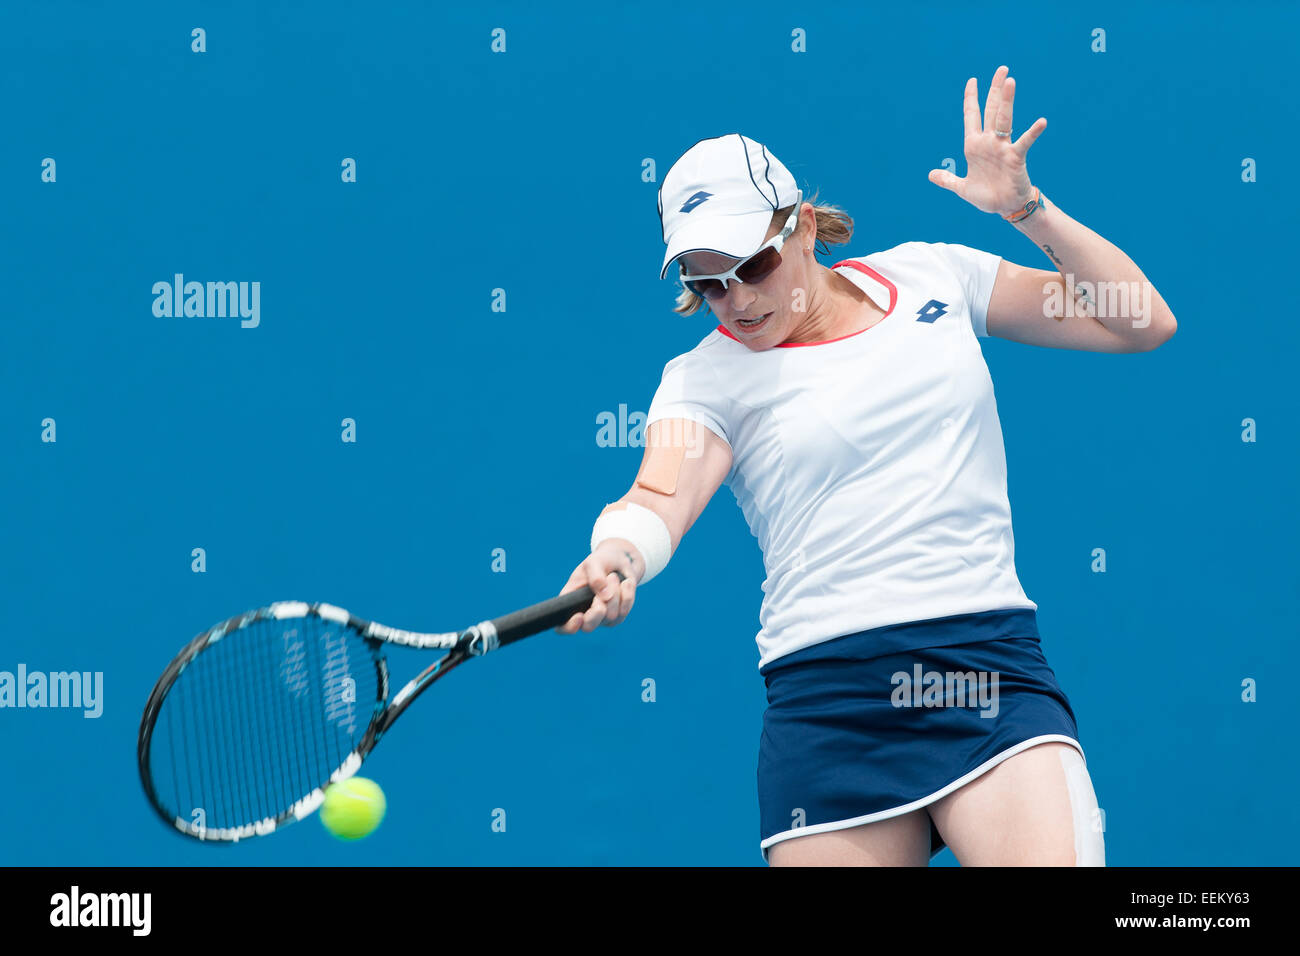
{"x": 353, "y": 808}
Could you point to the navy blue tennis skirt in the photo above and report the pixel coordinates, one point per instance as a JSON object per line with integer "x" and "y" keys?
{"x": 879, "y": 723}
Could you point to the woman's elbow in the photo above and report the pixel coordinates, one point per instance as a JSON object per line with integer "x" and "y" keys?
{"x": 1167, "y": 329}
{"x": 1158, "y": 331}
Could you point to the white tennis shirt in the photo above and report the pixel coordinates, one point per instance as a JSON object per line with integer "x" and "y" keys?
{"x": 871, "y": 467}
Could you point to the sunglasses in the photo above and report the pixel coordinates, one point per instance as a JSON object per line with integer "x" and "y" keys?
{"x": 755, "y": 268}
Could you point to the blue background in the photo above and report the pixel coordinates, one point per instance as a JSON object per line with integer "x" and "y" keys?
{"x": 477, "y": 429}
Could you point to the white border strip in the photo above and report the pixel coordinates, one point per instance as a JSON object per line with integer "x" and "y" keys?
{"x": 985, "y": 767}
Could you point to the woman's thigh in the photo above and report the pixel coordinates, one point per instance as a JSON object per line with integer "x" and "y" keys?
{"x": 903, "y": 840}
{"x": 1036, "y": 808}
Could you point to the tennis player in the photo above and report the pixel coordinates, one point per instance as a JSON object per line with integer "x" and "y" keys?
{"x": 851, "y": 413}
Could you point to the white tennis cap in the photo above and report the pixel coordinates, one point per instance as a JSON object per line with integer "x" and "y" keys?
{"x": 720, "y": 196}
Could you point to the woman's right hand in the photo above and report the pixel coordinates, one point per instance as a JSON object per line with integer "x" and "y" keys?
{"x": 613, "y": 598}
{"x": 705, "y": 462}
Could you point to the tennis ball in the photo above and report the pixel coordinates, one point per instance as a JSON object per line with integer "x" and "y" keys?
{"x": 353, "y": 808}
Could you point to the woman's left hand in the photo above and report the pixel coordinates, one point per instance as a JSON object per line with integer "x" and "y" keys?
{"x": 996, "y": 179}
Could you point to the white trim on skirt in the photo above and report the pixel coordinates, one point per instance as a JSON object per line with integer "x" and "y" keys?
{"x": 961, "y": 781}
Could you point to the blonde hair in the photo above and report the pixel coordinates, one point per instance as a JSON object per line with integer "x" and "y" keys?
{"x": 834, "y": 228}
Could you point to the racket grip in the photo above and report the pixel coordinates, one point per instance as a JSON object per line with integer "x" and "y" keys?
{"x": 545, "y": 615}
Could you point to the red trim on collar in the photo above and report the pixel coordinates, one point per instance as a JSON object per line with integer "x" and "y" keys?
{"x": 893, "y": 301}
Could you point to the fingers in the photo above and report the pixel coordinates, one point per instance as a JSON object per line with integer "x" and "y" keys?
{"x": 576, "y": 580}
{"x": 970, "y": 109}
{"x": 604, "y": 605}
{"x": 605, "y": 608}
{"x": 1004, "y": 114}
{"x": 941, "y": 177}
{"x": 1028, "y": 136}
{"x": 627, "y": 596}
{"x": 588, "y": 620}
{"x": 593, "y": 616}
{"x": 994, "y": 100}
{"x": 614, "y": 596}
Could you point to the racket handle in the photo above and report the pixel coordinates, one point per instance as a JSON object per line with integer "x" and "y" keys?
{"x": 544, "y": 615}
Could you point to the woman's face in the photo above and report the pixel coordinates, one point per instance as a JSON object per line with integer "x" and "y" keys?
{"x": 773, "y": 299}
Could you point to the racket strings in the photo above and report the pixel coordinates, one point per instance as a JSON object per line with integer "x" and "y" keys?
{"x": 261, "y": 718}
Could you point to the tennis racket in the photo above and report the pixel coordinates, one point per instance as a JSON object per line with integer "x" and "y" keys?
{"x": 251, "y": 722}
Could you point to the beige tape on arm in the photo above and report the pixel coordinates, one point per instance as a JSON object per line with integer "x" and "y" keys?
{"x": 661, "y": 467}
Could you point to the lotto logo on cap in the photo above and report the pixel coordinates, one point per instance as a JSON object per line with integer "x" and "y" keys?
{"x": 720, "y": 197}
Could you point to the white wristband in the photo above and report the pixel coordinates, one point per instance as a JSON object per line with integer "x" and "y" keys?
{"x": 643, "y": 528}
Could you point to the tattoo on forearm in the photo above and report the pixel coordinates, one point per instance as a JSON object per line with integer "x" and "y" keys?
{"x": 1051, "y": 255}
{"x": 1085, "y": 303}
